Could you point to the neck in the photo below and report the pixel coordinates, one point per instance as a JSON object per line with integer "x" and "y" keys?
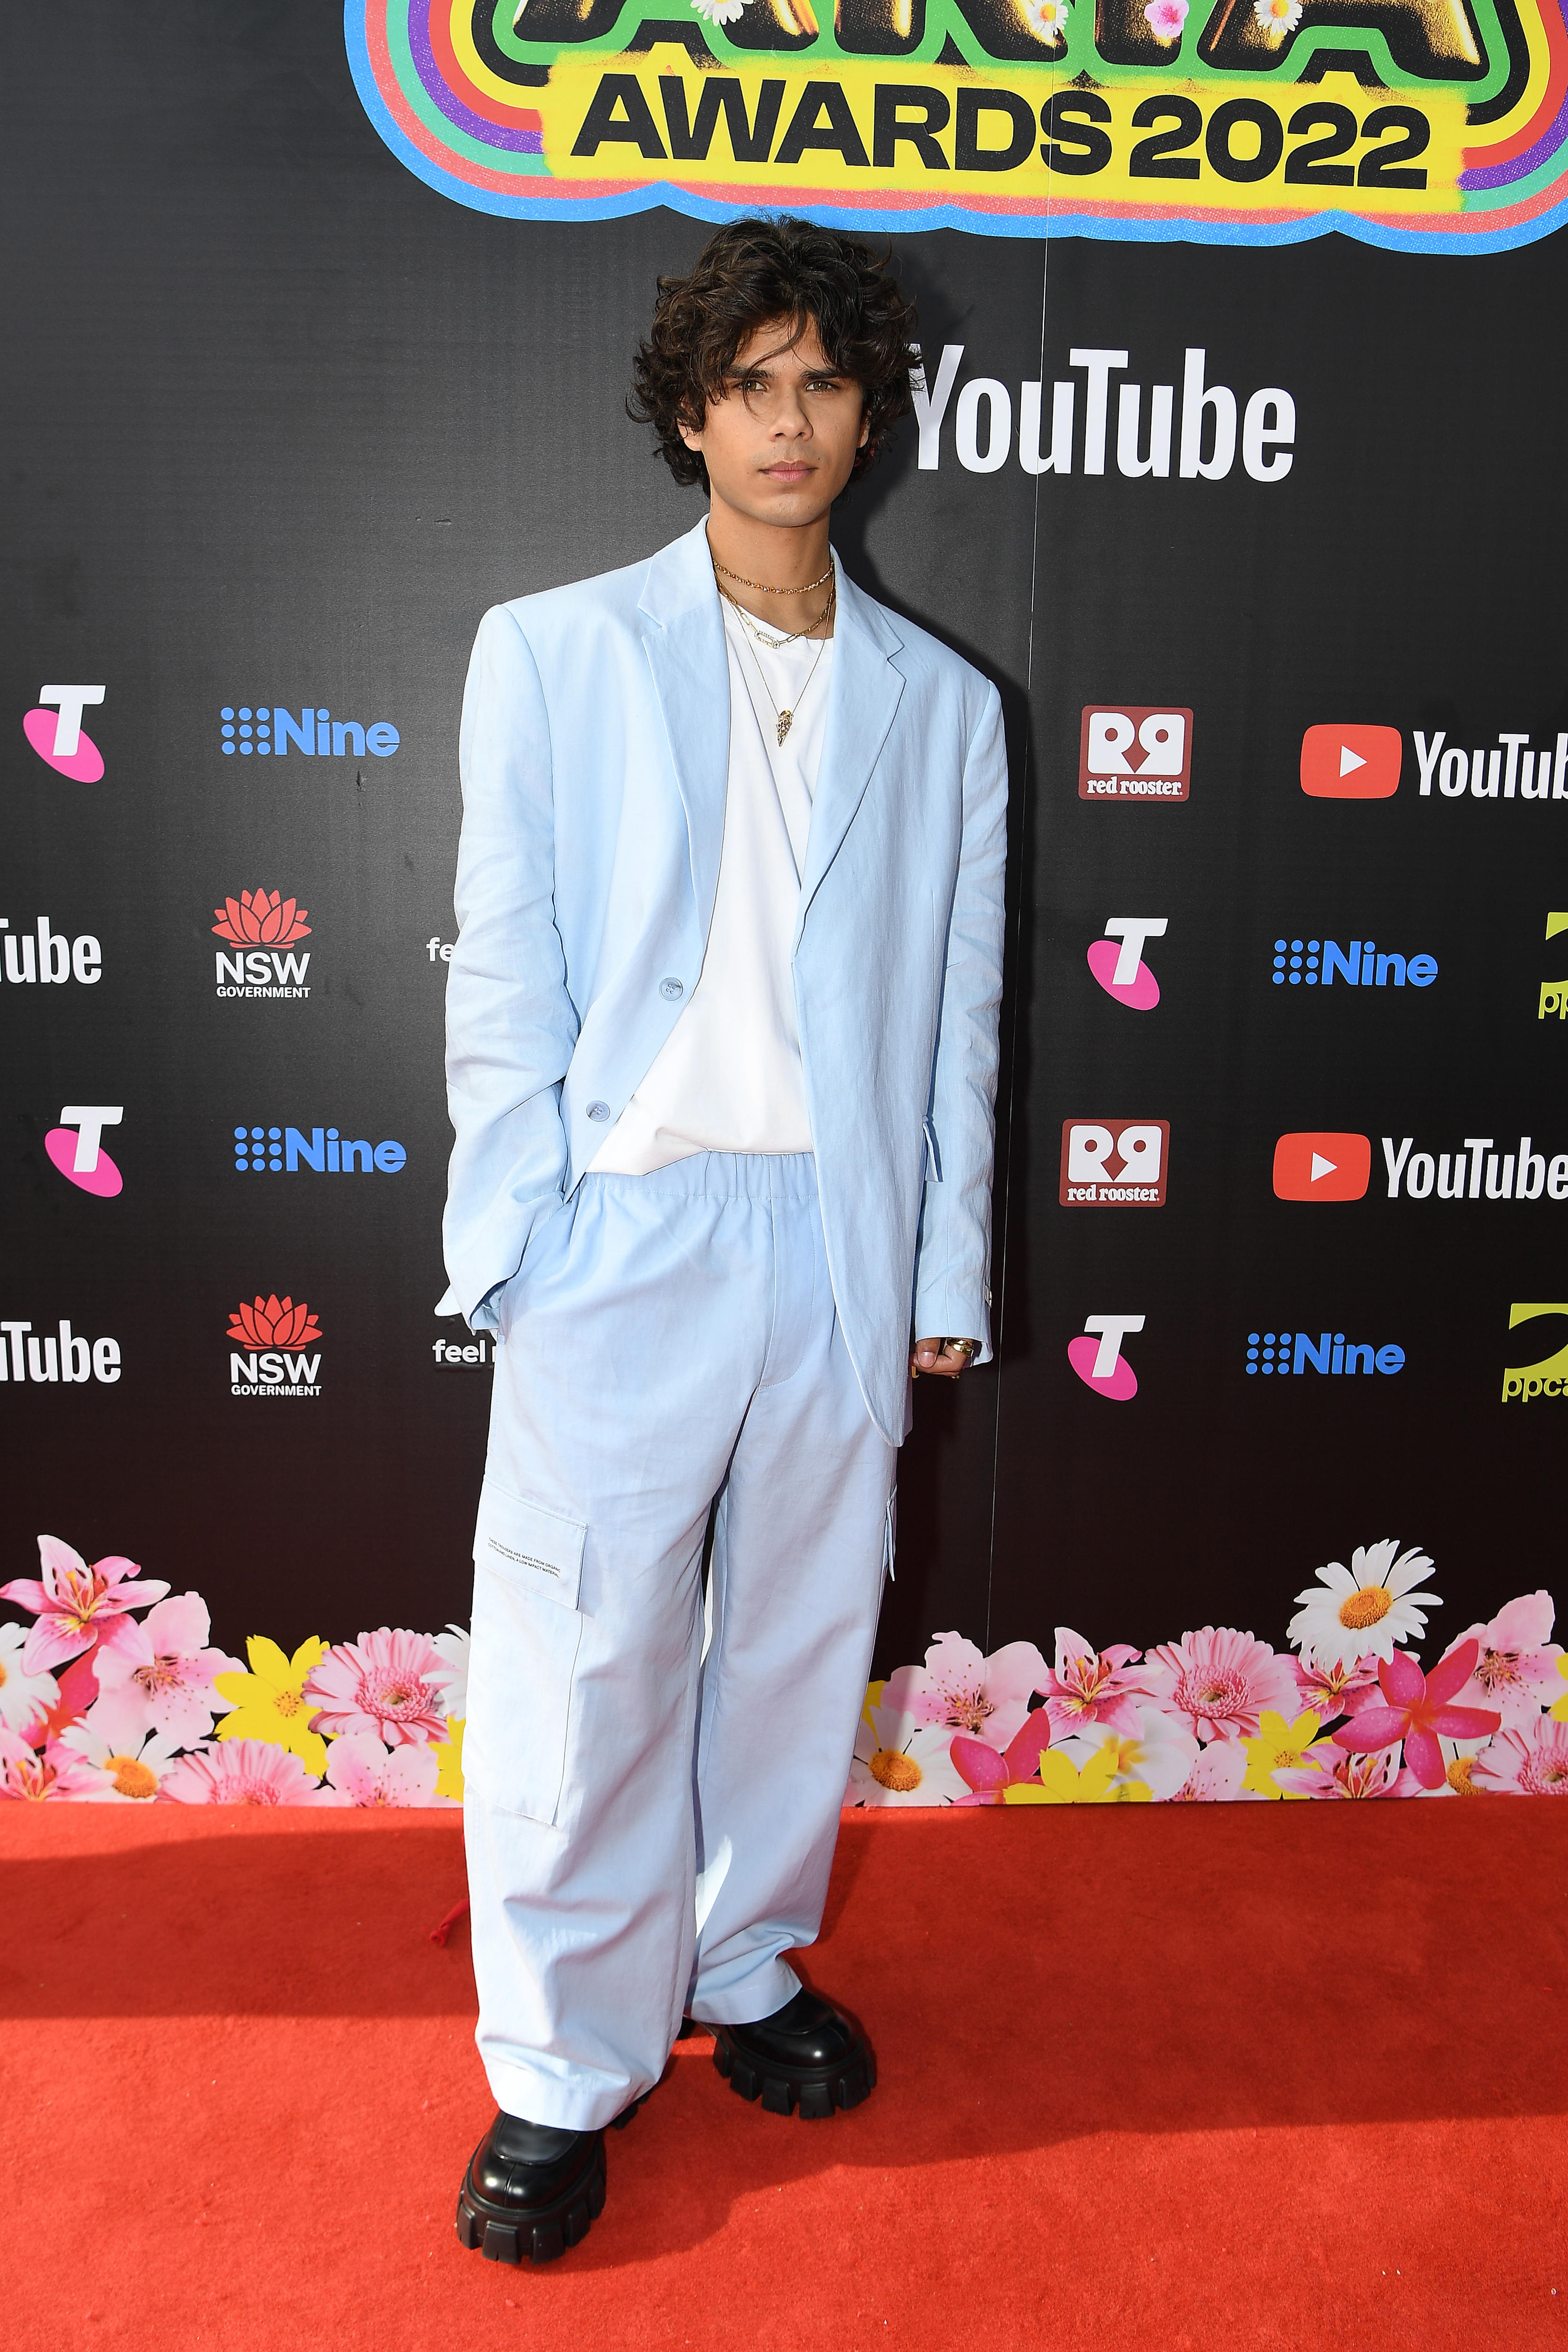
{"x": 779, "y": 555}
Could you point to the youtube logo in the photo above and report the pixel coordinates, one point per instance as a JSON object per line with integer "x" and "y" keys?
{"x": 1352, "y": 763}
{"x": 1318, "y": 1166}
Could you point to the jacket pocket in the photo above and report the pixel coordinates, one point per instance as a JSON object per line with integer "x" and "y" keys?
{"x": 528, "y": 1564}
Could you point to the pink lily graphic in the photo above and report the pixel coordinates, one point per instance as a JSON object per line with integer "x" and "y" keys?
{"x": 76, "y": 1606}
{"x": 1418, "y": 1710}
{"x": 991, "y": 1773}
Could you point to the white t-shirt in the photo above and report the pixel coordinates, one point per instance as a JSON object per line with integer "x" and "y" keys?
{"x": 728, "y": 1075}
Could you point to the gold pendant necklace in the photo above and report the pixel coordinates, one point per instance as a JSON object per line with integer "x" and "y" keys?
{"x": 784, "y": 719}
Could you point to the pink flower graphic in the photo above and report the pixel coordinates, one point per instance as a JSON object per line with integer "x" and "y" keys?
{"x": 1533, "y": 1767}
{"x": 1419, "y": 1707}
{"x": 76, "y": 1605}
{"x": 1088, "y": 1686}
{"x": 1219, "y": 1681}
{"x": 986, "y": 1697}
{"x": 159, "y": 1678}
{"x": 25, "y": 1699}
{"x": 242, "y": 1772}
{"x": 1216, "y": 1778}
{"x": 990, "y": 1774}
{"x": 27, "y": 1776}
{"x": 364, "y": 1772}
{"x": 1331, "y": 1687}
{"x": 1355, "y": 1777}
{"x": 1165, "y": 18}
{"x": 1517, "y": 1668}
{"x": 387, "y": 1684}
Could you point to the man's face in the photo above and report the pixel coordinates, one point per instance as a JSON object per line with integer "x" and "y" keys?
{"x": 780, "y": 443}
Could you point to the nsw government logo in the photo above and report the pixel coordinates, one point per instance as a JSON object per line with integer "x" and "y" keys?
{"x": 270, "y": 1359}
{"x": 1114, "y": 1163}
{"x": 262, "y": 924}
{"x": 1133, "y": 753}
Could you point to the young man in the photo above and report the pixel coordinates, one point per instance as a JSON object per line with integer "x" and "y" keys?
{"x": 721, "y": 1058}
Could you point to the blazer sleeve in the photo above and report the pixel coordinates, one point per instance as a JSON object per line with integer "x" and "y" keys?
{"x": 510, "y": 1024}
{"x": 952, "y": 1280}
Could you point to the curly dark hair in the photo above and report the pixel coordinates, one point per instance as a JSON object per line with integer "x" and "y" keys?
{"x": 749, "y": 273}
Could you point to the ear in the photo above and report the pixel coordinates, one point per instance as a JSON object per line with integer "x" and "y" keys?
{"x": 692, "y": 438}
{"x": 865, "y": 424}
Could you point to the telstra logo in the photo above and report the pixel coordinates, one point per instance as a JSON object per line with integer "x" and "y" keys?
{"x": 1098, "y": 1360}
{"x": 269, "y": 728}
{"x": 56, "y": 735}
{"x": 1116, "y": 961}
{"x": 77, "y": 1150}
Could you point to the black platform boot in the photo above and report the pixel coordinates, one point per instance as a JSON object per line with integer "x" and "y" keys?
{"x": 807, "y": 2057}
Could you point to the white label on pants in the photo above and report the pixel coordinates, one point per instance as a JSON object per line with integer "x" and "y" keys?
{"x": 532, "y": 1546}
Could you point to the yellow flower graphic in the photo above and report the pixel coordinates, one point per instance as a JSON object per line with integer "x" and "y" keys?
{"x": 448, "y": 1755}
{"x": 1559, "y": 1713}
{"x": 266, "y": 1701}
{"x": 873, "y": 1700}
{"x": 1061, "y": 1783}
{"x": 1280, "y": 1746}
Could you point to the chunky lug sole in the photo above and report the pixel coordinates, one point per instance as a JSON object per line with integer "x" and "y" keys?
{"x": 501, "y": 2234}
{"x": 810, "y": 2092}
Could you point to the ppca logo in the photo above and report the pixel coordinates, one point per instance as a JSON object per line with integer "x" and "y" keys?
{"x": 1555, "y": 993}
{"x": 1096, "y": 1358}
{"x": 1116, "y": 961}
{"x": 1114, "y": 1163}
{"x": 55, "y": 732}
{"x": 262, "y": 923}
{"x": 276, "y": 1332}
{"x": 1548, "y": 1376}
{"x": 1134, "y": 752}
{"x": 75, "y": 1147}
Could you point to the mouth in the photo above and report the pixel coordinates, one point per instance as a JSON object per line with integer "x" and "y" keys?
{"x": 789, "y": 471}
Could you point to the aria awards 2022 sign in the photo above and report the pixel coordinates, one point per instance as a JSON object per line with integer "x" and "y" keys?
{"x": 1429, "y": 125}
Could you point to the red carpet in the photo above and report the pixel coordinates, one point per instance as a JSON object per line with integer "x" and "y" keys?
{"x": 1218, "y": 2077}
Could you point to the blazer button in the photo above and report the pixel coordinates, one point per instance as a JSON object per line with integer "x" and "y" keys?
{"x": 598, "y": 1110}
{"x": 672, "y": 989}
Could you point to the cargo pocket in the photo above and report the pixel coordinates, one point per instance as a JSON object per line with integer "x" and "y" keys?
{"x": 528, "y": 1563}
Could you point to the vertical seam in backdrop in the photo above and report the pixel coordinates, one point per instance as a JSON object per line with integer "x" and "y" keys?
{"x": 999, "y": 1284}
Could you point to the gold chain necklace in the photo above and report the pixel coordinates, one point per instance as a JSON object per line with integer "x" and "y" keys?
{"x": 790, "y": 636}
{"x": 762, "y": 587}
{"x": 784, "y": 718}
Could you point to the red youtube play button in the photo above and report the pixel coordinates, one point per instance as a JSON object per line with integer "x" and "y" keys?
{"x": 1318, "y": 1166}
{"x": 1352, "y": 763}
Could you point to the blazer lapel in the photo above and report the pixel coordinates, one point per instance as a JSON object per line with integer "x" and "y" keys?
{"x": 685, "y": 646}
{"x": 862, "y": 700}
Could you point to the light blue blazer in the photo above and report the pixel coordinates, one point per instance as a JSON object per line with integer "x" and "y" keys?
{"x": 594, "y": 755}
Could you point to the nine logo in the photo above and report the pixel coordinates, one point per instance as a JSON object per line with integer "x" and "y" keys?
{"x": 1352, "y": 763}
{"x": 283, "y": 1150}
{"x": 1329, "y": 1353}
{"x": 75, "y": 1147}
{"x": 67, "y": 1359}
{"x": 1114, "y": 1162}
{"x": 1522, "y": 1383}
{"x": 1307, "y": 961}
{"x": 1162, "y": 772}
{"x": 316, "y": 733}
{"x": 1318, "y": 1165}
{"x": 54, "y": 957}
{"x": 1524, "y": 1175}
{"x": 1096, "y": 1358}
{"x": 1116, "y": 961}
{"x": 261, "y": 922}
{"x": 274, "y": 1330}
{"x": 56, "y": 734}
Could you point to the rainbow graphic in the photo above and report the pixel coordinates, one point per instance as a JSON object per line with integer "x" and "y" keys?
{"x": 1431, "y": 126}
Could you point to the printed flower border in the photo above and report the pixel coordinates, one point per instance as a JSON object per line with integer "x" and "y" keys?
{"x": 115, "y": 1696}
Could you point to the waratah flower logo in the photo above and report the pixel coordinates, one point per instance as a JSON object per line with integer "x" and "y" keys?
{"x": 273, "y": 1323}
{"x": 261, "y": 918}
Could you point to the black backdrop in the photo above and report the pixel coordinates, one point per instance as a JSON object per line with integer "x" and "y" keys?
{"x": 282, "y": 421}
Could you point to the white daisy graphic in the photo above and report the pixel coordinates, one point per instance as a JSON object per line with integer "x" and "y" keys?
{"x": 22, "y": 1695}
{"x": 129, "y": 1770}
{"x": 1364, "y": 1610}
{"x": 719, "y": 12}
{"x": 1277, "y": 18}
{"x": 899, "y": 1761}
{"x": 1049, "y": 18}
